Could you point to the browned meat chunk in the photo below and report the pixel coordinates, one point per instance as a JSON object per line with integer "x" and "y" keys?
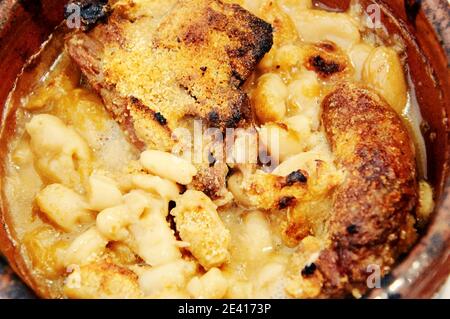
{"x": 160, "y": 64}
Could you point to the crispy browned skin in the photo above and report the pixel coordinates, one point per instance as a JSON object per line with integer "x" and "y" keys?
{"x": 327, "y": 60}
{"x": 160, "y": 64}
{"x": 372, "y": 218}
{"x": 304, "y": 199}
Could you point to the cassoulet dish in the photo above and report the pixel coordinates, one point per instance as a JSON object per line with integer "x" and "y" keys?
{"x": 110, "y": 197}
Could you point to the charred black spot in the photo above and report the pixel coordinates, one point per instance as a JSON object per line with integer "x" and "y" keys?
{"x": 296, "y": 177}
{"x": 213, "y": 117}
{"x": 286, "y": 202}
{"x": 324, "y": 67}
{"x": 189, "y": 92}
{"x": 309, "y": 270}
{"x": 160, "y": 118}
{"x": 235, "y": 118}
{"x": 92, "y": 12}
{"x": 265, "y": 33}
{"x": 134, "y": 100}
{"x": 172, "y": 205}
{"x": 236, "y": 78}
{"x": 170, "y": 219}
{"x": 352, "y": 229}
{"x": 203, "y": 69}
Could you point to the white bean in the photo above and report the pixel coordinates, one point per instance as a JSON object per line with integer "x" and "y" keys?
{"x": 154, "y": 240}
{"x": 383, "y": 71}
{"x": 112, "y": 222}
{"x": 358, "y": 55}
{"x": 156, "y": 185}
{"x": 212, "y": 285}
{"x": 103, "y": 193}
{"x": 280, "y": 142}
{"x": 327, "y": 26}
{"x": 62, "y": 156}
{"x": 63, "y": 206}
{"x": 85, "y": 248}
{"x": 166, "y": 277}
{"x": 269, "y": 98}
{"x": 168, "y": 166}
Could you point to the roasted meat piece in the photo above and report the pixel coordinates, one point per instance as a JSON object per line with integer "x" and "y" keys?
{"x": 158, "y": 65}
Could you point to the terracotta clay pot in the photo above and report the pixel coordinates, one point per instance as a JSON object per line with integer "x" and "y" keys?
{"x": 423, "y": 25}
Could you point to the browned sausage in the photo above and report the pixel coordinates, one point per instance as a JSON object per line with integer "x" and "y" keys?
{"x": 372, "y": 220}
